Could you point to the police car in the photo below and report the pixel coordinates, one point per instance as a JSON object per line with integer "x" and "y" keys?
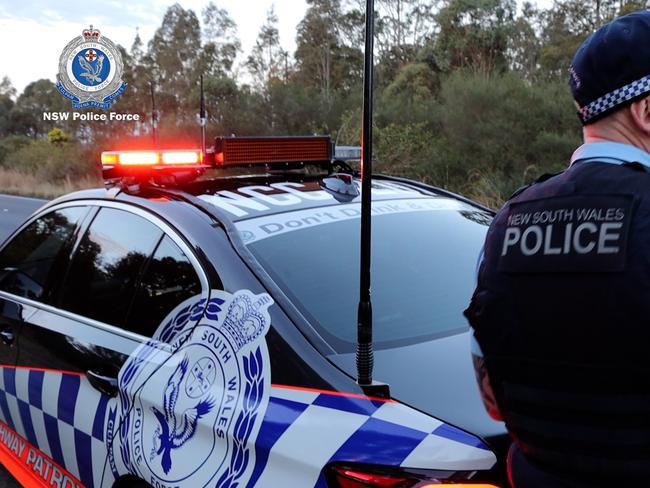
{"x": 193, "y": 324}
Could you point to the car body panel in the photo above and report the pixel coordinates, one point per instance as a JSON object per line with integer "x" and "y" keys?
{"x": 306, "y": 395}
{"x": 413, "y": 371}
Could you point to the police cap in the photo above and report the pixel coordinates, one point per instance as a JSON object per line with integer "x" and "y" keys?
{"x": 612, "y": 67}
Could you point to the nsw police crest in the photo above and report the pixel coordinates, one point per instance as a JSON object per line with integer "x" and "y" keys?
{"x": 90, "y": 71}
{"x": 190, "y": 416}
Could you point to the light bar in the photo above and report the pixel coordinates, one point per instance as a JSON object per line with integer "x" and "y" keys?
{"x": 153, "y": 158}
{"x": 228, "y": 151}
{"x": 238, "y": 151}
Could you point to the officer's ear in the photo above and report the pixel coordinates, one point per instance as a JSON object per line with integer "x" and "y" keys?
{"x": 640, "y": 111}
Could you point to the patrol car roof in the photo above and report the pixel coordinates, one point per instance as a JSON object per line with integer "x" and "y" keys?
{"x": 240, "y": 198}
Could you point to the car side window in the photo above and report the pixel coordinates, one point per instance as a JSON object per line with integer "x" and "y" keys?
{"x": 102, "y": 276}
{"x": 27, "y": 263}
{"x": 168, "y": 280}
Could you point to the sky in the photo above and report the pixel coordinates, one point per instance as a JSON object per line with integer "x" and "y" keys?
{"x": 33, "y": 33}
{"x": 42, "y": 28}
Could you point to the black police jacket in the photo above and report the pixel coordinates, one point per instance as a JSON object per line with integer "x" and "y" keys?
{"x": 562, "y": 314}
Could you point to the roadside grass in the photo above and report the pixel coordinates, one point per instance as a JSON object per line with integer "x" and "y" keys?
{"x": 14, "y": 182}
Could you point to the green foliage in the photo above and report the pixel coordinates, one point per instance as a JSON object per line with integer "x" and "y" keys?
{"x": 485, "y": 135}
{"x": 349, "y": 131}
{"x": 474, "y": 33}
{"x": 57, "y": 137}
{"x": 11, "y": 144}
{"x": 405, "y": 150}
{"x": 417, "y": 81}
{"x": 501, "y": 128}
{"x": 411, "y": 97}
{"x": 38, "y": 97}
{"x": 51, "y": 163}
{"x": 6, "y": 104}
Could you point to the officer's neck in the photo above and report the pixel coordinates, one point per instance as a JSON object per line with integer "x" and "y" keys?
{"x": 616, "y": 129}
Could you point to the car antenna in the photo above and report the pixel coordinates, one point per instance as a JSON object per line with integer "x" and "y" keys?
{"x": 365, "y": 355}
{"x": 202, "y": 118}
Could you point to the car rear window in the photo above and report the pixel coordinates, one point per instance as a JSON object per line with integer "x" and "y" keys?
{"x": 424, "y": 257}
{"x": 102, "y": 276}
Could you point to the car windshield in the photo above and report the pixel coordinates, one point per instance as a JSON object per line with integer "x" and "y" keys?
{"x": 424, "y": 257}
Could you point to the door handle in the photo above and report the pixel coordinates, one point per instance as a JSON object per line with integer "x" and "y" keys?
{"x": 105, "y": 384}
{"x": 7, "y": 336}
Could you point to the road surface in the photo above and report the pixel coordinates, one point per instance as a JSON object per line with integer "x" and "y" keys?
{"x": 13, "y": 212}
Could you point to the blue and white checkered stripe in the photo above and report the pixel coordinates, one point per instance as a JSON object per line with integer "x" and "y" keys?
{"x": 615, "y": 98}
{"x": 304, "y": 430}
{"x": 70, "y": 431}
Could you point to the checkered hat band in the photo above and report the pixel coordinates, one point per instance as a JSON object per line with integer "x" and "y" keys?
{"x": 615, "y": 98}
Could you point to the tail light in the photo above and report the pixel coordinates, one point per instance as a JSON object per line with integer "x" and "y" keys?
{"x": 361, "y": 477}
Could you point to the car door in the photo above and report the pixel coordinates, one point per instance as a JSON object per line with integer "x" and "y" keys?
{"x": 28, "y": 266}
{"x": 30, "y": 263}
{"x": 105, "y": 304}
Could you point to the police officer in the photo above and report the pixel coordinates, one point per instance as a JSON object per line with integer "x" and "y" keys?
{"x": 561, "y": 312}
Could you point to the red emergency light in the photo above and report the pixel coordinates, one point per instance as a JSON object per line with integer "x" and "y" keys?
{"x": 153, "y": 159}
{"x": 186, "y": 164}
{"x": 172, "y": 164}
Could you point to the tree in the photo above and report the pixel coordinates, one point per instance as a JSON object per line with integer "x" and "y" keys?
{"x": 323, "y": 61}
{"x": 221, "y": 42}
{"x": 563, "y": 28}
{"x": 566, "y": 25}
{"x": 6, "y": 88}
{"x": 139, "y": 75}
{"x": 268, "y": 60}
{"x": 7, "y": 92}
{"x": 175, "y": 50}
{"x": 525, "y": 47}
{"x": 26, "y": 117}
{"x": 403, "y": 26}
{"x": 352, "y": 23}
{"x": 231, "y": 109}
{"x": 474, "y": 33}
{"x": 137, "y": 52}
